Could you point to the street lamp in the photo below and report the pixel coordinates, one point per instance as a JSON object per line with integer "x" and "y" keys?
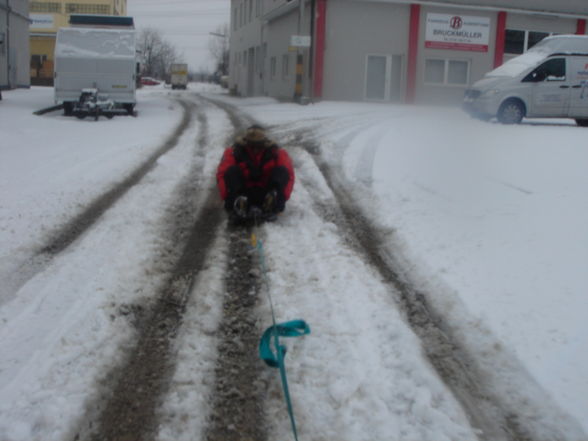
{"x": 224, "y": 51}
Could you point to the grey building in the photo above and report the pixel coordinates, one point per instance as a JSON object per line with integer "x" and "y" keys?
{"x": 385, "y": 50}
{"x": 14, "y": 44}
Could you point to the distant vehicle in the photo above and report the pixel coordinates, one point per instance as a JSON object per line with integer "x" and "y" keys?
{"x": 224, "y": 81}
{"x": 95, "y": 71}
{"x": 148, "y": 81}
{"x": 550, "y": 80}
{"x": 179, "y": 76}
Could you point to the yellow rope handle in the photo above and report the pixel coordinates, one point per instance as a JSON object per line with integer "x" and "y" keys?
{"x": 253, "y": 240}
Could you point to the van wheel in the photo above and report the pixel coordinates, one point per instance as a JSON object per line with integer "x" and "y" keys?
{"x": 582, "y": 122}
{"x": 511, "y": 112}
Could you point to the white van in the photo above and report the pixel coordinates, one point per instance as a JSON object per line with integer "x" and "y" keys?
{"x": 548, "y": 81}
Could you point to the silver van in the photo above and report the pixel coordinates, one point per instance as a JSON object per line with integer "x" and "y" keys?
{"x": 550, "y": 80}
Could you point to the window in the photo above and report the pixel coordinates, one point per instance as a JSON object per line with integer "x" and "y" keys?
{"x": 263, "y": 57}
{"x": 517, "y": 41}
{"x": 535, "y": 37}
{"x": 258, "y": 62}
{"x": 285, "y": 66}
{"x": 457, "y": 72}
{"x": 45, "y": 7}
{"x": 552, "y": 70}
{"x": 273, "y": 67}
{"x": 435, "y": 71}
{"x": 82, "y": 8}
{"x": 447, "y": 72}
{"x": 244, "y": 58}
{"x": 250, "y": 11}
{"x": 235, "y": 16}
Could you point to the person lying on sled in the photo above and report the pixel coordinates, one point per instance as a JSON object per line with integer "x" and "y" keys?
{"x": 255, "y": 177}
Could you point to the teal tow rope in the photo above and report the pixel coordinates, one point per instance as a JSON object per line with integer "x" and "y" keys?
{"x": 294, "y": 328}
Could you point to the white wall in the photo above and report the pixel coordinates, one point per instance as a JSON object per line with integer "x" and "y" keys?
{"x": 14, "y": 52}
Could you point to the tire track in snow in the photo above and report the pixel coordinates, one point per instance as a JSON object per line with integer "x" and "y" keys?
{"x": 451, "y": 361}
{"x": 237, "y": 401}
{"x": 446, "y": 355}
{"x": 84, "y": 220}
{"x": 130, "y": 408}
{"x": 237, "y": 409}
{"x": 78, "y": 225}
{"x": 128, "y": 402}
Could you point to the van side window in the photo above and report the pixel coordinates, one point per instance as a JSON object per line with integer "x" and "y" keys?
{"x": 551, "y": 70}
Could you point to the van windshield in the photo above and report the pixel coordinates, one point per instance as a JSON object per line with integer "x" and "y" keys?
{"x": 546, "y": 47}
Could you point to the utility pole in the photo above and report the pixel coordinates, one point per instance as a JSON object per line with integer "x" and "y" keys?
{"x": 299, "y": 56}
{"x": 7, "y": 42}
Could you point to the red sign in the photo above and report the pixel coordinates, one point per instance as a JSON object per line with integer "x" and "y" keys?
{"x": 457, "y": 32}
{"x": 456, "y": 22}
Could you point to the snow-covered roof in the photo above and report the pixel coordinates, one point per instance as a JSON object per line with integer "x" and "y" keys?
{"x": 557, "y": 44}
{"x": 96, "y": 43}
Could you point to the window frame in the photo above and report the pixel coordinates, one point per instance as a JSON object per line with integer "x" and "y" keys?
{"x": 285, "y": 66}
{"x": 45, "y": 7}
{"x": 525, "y": 39}
{"x": 87, "y": 8}
{"x": 446, "y": 62}
{"x": 273, "y": 67}
{"x": 530, "y": 78}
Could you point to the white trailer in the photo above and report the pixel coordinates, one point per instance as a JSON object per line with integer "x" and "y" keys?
{"x": 95, "y": 71}
{"x": 179, "y": 76}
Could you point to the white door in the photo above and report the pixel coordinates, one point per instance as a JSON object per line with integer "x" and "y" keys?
{"x": 396, "y": 78}
{"x": 377, "y": 78}
{"x": 551, "y": 89}
{"x": 578, "y": 72}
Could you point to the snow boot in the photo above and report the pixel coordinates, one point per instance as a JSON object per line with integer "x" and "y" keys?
{"x": 269, "y": 206}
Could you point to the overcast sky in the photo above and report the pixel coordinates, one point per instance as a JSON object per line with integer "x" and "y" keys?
{"x": 184, "y": 23}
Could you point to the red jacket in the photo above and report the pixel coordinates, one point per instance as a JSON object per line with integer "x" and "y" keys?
{"x": 264, "y": 159}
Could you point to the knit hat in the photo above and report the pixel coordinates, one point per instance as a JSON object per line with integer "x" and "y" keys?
{"x": 254, "y": 134}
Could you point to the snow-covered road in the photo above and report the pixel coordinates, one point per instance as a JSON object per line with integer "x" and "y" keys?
{"x": 480, "y": 225}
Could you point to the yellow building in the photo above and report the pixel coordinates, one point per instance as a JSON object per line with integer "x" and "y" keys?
{"x": 47, "y": 16}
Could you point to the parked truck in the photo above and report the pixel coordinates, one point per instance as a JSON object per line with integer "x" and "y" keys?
{"x": 179, "y": 76}
{"x": 95, "y": 71}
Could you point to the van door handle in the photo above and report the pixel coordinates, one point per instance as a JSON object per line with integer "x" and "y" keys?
{"x": 564, "y": 87}
{"x": 577, "y": 86}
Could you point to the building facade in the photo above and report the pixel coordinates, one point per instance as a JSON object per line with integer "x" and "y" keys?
{"x": 385, "y": 50}
{"x": 14, "y": 44}
{"x": 47, "y": 16}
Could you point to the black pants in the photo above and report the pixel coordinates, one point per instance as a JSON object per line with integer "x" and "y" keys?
{"x": 235, "y": 183}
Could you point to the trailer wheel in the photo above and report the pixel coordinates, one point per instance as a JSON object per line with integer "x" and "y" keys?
{"x": 68, "y": 108}
{"x": 130, "y": 108}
